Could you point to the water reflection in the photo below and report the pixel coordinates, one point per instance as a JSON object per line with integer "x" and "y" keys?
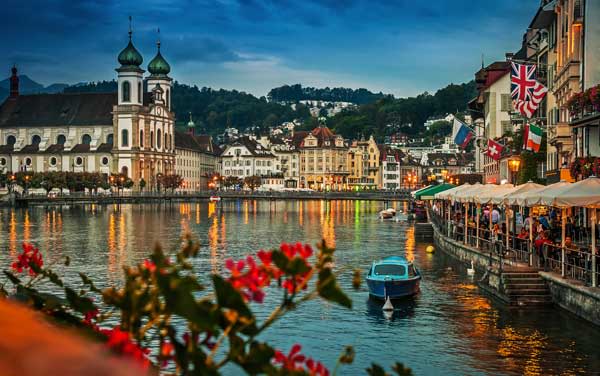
{"x": 449, "y": 327}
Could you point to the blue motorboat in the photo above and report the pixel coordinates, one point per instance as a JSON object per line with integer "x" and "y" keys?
{"x": 393, "y": 277}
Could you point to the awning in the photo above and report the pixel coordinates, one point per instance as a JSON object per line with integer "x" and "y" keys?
{"x": 429, "y": 192}
{"x": 414, "y": 193}
{"x": 450, "y": 193}
{"x": 584, "y": 193}
{"x": 516, "y": 197}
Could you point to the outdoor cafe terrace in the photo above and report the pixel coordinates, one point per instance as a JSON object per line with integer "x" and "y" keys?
{"x": 551, "y": 227}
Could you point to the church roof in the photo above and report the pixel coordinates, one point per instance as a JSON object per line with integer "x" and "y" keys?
{"x": 200, "y": 143}
{"x": 45, "y": 110}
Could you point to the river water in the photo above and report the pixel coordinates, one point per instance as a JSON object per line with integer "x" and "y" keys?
{"x": 451, "y": 328}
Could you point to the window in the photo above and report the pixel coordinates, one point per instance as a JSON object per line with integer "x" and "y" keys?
{"x": 141, "y": 138}
{"x": 11, "y": 140}
{"x": 28, "y": 161}
{"x": 35, "y": 140}
{"x": 52, "y": 161}
{"x": 126, "y": 95}
{"x": 78, "y": 161}
{"x": 158, "y": 138}
{"x": 166, "y": 141}
{"x": 105, "y": 161}
{"x": 139, "y": 92}
{"x": 86, "y": 139}
{"x": 61, "y": 139}
{"x": 151, "y": 139}
{"x": 506, "y": 126}
{"x": 2, "y": 161}
{"x": 505, "y": 103}
{"x": 110, "y": 139}
{"x": 124, "y": 137}
{"x": 168, "y": 96}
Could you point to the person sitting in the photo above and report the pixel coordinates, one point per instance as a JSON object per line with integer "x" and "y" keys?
{"x": 539, "y": 244}
{"x": 524, "y": 234}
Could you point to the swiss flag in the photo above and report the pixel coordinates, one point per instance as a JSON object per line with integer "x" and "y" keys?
{"x": 494, "y": 150}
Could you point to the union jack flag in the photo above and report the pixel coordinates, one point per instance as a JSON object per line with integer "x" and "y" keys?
{"x": 522, "y": 81}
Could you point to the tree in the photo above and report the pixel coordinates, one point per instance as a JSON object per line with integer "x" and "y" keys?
{"x": 252, "y": 182}
{"x": 142, "y": 184}
{"x": 231, "y": 181}
{"x": 171, "y": 181}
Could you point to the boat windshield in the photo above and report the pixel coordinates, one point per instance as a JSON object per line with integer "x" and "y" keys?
{"x": 389, "y": 269}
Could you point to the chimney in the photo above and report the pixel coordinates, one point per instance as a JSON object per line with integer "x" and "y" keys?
{"x": 14, "y": 83}
{"x": 509, "y": 56}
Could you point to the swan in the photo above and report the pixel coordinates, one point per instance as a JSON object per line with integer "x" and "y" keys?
{"x": 471, "y": 270}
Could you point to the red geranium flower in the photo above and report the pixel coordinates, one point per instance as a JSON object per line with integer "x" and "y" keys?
{"x": 316, "y": 368}
{"x": 292, "y": 361}
{"x": 150, "y": 265}
{"x": 30, "y": 255}
{"x": 249, "y": 278}
{"x": 121, "y": 343}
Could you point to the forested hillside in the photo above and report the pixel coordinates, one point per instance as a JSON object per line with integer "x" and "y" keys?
{"x": 294, "y": 93}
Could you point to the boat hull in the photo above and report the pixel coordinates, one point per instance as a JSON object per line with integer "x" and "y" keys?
{"x": 394, "y": 289}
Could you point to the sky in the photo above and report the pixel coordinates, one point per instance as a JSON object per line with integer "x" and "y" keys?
{"x": 402, "y": 47}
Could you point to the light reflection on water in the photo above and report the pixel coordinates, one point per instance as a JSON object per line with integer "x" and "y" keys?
{"x": 449, "y": 328}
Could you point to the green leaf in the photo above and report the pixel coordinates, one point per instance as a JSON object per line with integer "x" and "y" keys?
{"x": 376, "y": 370}
{"x": 79, "y": 303}
{"x": 12, "y": 278}
{"x": 329, "y": 290}
{"x": 228, "y": 297}
{"x": 294, "y": 266}
{"x": 53, "y": 277}
{"x": 401, "y": 370}
{"x": 88, "y": 282}
{"x": 258, "y": 360}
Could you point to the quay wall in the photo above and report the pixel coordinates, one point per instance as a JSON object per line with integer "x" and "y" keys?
{"x": 570, "y": 295}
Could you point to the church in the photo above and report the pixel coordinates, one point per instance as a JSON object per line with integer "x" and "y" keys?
{"x": 129, "y": 132}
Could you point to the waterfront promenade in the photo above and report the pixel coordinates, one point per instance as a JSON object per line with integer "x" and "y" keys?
{"x": 143, "y": 197}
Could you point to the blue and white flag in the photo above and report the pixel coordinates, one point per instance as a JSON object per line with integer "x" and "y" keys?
{"x": 461, "y": 133}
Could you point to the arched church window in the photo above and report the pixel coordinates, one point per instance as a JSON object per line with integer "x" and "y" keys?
{"x": 166, "y": 141}
{"x": 11, "y": 140}
{"x": 168, "y": 98}
{"x": 61, "y": 139}
{"x": 110, "y": 139}
{"x": 158, "y": 138}
{"x": 124, "y": 137}
{"x": 139, "y": 92}
{"x": 141, "y": 138}
{"x": 35, "y": 140}
{"x": 86, "y": 139}
{"x": 151, "y": 139}
{"x": 126, "y": 91}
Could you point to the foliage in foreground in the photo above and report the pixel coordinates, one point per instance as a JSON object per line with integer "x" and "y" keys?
{"x": 197, "y": 332}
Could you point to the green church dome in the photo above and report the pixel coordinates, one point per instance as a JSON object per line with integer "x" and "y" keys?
{"x": 130, "y": 56}
{"x": 159, "y": 66}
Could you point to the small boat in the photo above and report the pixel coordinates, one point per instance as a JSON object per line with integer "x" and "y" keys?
{"x": 393, "y": 277}
{"x": 215, "y": 198}
{"x": 387, "y": 213}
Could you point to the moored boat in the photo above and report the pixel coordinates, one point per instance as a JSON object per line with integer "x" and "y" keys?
{"x": 393, "y": 277}
{"x": 387, "y": 213}
{"x": 215, "y": 198}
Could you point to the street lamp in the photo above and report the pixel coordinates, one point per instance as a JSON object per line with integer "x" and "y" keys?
{"x": 514, "y": 164}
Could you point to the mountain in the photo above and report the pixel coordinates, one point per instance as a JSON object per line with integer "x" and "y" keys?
{"x": 29, "y": 86}
{"x": 295, "y": 93}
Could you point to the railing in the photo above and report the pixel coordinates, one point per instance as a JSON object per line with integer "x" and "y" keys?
{"x": 572, "y": 263}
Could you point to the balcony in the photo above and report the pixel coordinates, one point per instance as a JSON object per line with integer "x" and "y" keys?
{"x": 584, "y": 106}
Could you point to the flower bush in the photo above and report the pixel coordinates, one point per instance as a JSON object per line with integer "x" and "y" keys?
{"x": 163, "y": 290}
{"x": 586, "y": 101}
{"x": 585, "y": 167}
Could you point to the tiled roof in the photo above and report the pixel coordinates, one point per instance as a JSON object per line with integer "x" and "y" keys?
{"x": 200, "y": 143}
{"x": 80, "y": 148}
{"x": 104, "y": 148}
{"x": 41, "y": 110}
{"x": 55, "y": 148}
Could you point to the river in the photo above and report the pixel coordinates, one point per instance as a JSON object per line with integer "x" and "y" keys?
{"x": 451, "y": 328}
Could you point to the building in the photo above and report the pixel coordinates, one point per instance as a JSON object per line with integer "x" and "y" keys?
{"x": 363, "y": 165}
{"x": 287, "y": 158}
{"x": 245, "y": 157}
{"x": 128, "y": 132}
{"x": 440, "y": 166}
{"x": 323, "y": 156}
{"x": 389, "y": 167}
{"x": 491, "y": 108}
{"x": 196, "y": 159}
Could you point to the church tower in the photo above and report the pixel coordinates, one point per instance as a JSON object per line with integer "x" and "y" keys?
{"x": 127, "y": 119}
{"x": 159, "y": 75}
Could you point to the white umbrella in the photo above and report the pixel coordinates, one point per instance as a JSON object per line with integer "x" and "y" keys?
{"x": 547, "y": 195}
{"x": 584, "y": 193}
{"x": 449, "y": 194}
{"x": 491, "y": 194}
{"x": 516, "y": 196}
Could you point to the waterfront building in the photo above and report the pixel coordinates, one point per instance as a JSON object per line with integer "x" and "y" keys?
{"x": 363, "y": 165}
{"x": 441, "y": 166}
{"x": 493, "y": 105}
{"x": 389, "y": 168}
{"x": 196, "y": 159}
{"x": 287, "y": 158}
{"x": 246, "y": 157}
{"x": 323, "y": 156}
{"x": 128, "y": 132}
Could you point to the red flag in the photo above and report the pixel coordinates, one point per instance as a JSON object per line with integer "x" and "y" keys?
{"x": 494, "y": 150}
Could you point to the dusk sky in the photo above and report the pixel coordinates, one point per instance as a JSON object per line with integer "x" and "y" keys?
{"x": 401, "y": 47}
